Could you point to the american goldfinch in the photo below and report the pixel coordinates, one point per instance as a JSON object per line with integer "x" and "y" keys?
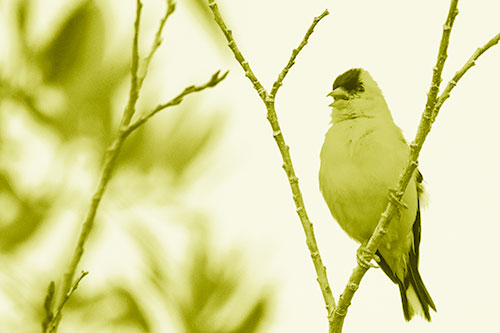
{"x": 362, "y": 157}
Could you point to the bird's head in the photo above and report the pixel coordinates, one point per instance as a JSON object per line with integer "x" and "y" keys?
{"x": 355, "y": 94}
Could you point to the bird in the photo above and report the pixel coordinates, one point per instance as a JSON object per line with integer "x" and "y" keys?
{"x": 363, "y": 154}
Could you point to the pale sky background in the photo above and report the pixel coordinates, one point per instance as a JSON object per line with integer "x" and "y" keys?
{"x": 246, "y": 191}
{"x": 397, "y": 42}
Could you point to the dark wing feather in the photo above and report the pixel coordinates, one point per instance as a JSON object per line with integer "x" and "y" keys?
{"x": 412, "y": 277}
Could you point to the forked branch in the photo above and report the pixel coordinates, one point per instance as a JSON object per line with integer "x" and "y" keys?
{"x": 139, "y": 71}
{"x": 268, "y": 99}
{"x": 431, "y": 110}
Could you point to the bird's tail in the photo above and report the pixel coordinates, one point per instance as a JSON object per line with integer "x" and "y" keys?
{"x": 414, "y": 296}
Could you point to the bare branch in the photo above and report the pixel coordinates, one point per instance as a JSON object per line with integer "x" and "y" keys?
{"x": 214, "y": 80}
{"x": 279, "y": 81}
{"x": 58, "y": 313}
{"x": 397, "y": 194}
{"x": 458, "y": 75}
{"x": 68, "y": 286}
{"x": 144, "y": 66}
{"x": 237, "y": 54}
{"x": 432, "y": 107}
{"x": 284, "y": 149}
{"x": 134, "y": 83}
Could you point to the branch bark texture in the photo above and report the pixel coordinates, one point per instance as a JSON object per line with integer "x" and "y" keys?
{"x": 268, "y": 99}
{"x": 138, "y": 73}
{"x": 336, "y": 314}
{"x": 430, "y": 113}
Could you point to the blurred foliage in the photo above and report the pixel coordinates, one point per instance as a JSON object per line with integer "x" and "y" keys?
{"x": 206, "y": 294}
{"x": 113, "y": 309}
{"x": 210, "y": 294}
{"x": 66, "y": 87}
{"x": 180, "y": 144}
{"x": 21, "y": 218}
{"x": 77, "y": 45}
{"x": 73, "y": 67}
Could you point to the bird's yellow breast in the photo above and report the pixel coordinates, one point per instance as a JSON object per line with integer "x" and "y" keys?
{"x": 360, "y": 160}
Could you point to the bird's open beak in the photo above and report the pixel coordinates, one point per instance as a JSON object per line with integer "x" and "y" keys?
{"x": 330, "y": 94}
{"x": 338, "y": 94}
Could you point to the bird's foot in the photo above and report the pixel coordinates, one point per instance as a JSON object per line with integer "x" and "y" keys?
{"x": 363, "y": 257}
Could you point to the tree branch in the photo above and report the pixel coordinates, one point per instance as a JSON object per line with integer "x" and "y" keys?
{"x": 133, "y": 95}
{"x": 268, "y": 99}
{"x": 51, "y": 322}
{"x": 415, "y": 147}
{"x": 58, "y": 313}
{"x": 431, "y": 110}
{"x": 237, "y": 54}
{"x": 143, "y": 70}
{"x": 214, "y": 80}
{"x": 277, "y": 84}
{"x": 460, "y": 73}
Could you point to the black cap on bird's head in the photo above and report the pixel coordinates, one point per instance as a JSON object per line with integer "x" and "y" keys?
{"x": 355, "y": 93}
{"x": 353, "y": 84}
{"x": 350, "y": 81}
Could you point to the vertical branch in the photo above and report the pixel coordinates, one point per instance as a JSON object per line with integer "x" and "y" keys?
{"x": 52, "y": 320}
{"x": 268, "y": 99}
{"x": 133, "y": 95}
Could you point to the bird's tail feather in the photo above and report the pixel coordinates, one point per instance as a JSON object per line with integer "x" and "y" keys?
{"x": 418, "y": 297}
{"x": 414, "y": 296}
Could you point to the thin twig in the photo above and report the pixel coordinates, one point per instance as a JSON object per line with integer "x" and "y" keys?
{"x": 458, "y": 75}
{"x": 144, "y": 66}
{"x": 214, "y": 80}
{"x": 133, "y": 95}
{"x": 284, "y": 149}
{"x": 111, "y": 156}
{"x": 58, "y": 313}
{"x": 277, "y": 84}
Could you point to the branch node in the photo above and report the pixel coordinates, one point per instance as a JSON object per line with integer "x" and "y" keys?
{"x": 261, "y": 91}
{"x": 352, "y": 286}
{"x": 269, "y": 99}
{"x": 340, "y": 312}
